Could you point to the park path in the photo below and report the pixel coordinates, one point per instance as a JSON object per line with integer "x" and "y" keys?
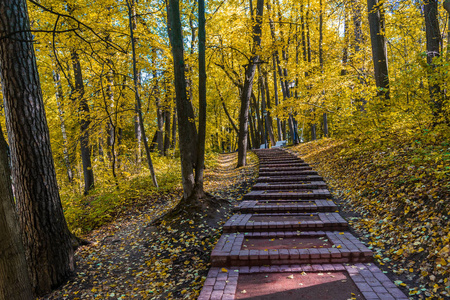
{"x": 288, "y": 241}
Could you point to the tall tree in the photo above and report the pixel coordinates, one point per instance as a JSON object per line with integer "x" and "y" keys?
{"x": 379, "y": 50}
{"x": 85, "y": 121}
{"x": 200, "y": 166}
{"x": 192, "y": 145}
{"x": 246, "y": 93}
{"x": 136, "y": 86}
{"x": 14, "y": 281}
{"x": 46, "y": 238}
{"x": 433, "y": 51}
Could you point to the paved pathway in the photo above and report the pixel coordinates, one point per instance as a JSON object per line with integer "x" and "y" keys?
{"x": 287, "y": 241}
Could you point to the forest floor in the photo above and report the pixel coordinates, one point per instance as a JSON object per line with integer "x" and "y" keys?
{"x": 135, "y": 257}
{"x": 396, "y": 197}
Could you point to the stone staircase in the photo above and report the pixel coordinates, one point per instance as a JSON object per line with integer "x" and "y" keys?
{"x": 287, "y": 241}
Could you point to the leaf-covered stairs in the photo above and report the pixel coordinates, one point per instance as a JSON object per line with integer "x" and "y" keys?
{"x": 287, "y": 241}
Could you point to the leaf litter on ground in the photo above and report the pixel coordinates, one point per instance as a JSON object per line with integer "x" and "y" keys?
{"x": 135, "y": 257}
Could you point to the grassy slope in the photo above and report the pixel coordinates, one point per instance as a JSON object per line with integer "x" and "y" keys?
{"x": 402, "y": 195}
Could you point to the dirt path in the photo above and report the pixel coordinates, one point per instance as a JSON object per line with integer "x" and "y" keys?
{"x": 133, "y": 259}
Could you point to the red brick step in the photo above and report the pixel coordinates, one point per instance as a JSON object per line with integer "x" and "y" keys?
{"x": 365, "y": 281}
{"x": 279, "y": 248}
{"x": 289, "y": 179}
{"x": 254, "y": 206}
{"x": 295, "y": 195}
{"x": 285, "y": 221}
{"x": 290, "y": 186}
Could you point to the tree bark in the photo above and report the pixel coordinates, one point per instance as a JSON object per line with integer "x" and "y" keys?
{"x": 248, "y": 85}
{"x": 200, "y": 166}
{"x": 84, "y": 120}
{"x": 379, "y": 51}
{"x": 313, "y": 132}
{"x": 446, "y": 6}
{"x": 46, "y": 238}
{"x": 185, "y": 113}
{"x": 433, "y": 36}
{"x": 14, "y": 283}
{"x": 166, "y": 131}
{"x": 160, "y": 122}
{"x": 325, "y": 124}
{"x": 136, "y": 92}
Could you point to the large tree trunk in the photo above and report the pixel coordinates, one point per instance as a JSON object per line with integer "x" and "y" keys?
{"x": 379, "y": 51}
{"x": 248, "y": 86}
{"x": 433, "y": 50}
{"x": 137, "y": 97}
{"x": 185, "y": 113}
{"x": 14, "y": 283}
{"x": 84, "y": 120}
{"x": 46, "y": 238}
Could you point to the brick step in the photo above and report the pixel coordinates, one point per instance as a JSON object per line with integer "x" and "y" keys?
{"x": 283, "y": 169}
{"x": 290, "y": 186}
{"x": 288, "y": 179}
{"x": 367, "y": 280}
{"x": 281, "y": 248}
{"x": 253, "y": 206}
{"x": 280, "y": 161}
{"x": 280, "y": 165}
{"x": 297, "y": 195}
{"x": 285, "y": 222}
{"x": 287, "y": 173}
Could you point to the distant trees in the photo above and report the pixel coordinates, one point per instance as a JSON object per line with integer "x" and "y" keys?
{"x": 46, "y": 238}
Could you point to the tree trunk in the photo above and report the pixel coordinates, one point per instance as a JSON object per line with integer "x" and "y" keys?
{"x": 248, "y": 85}
{"x": 160, "y": 130}
{"x": 85, "y": 122}
{"x": 59, "y": 99}
{"x": 166, "y": 131}
{"x": 174, "y": 128}
{"x": 47, "y": 240}
{"x": 433, "y": 50}
{"x": 136, "y": 92}
{"x": 379, "y": 51}
{"x": 446, "y": 5}
{"x": 277, "y": 101}
{"x": 265, "y": 105}
{"x": 186, "y": 125}
{"x": 325, "y": 124}
{"x": 200, "y": 166}
{"x": 252, "y": 134}
{"x": 313, "y": 132}
{"x": 14, "y": 283}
